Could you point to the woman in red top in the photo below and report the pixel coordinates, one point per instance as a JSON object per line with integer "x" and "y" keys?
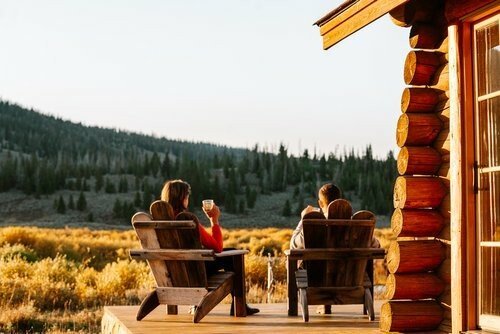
{"x": 176, "y": 193}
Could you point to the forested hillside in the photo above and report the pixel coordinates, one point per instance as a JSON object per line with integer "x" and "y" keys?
{"x": 76, "y": 168}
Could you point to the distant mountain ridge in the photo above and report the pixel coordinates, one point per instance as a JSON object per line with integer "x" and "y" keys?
{"x": 58, "y": 172}
{"x": 29, "y": 131}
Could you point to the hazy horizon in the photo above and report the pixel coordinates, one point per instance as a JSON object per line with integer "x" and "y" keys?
{"x": 231, "y": 73}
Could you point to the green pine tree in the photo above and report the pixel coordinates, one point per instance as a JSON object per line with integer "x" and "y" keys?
{"x": 287, "y": 209}
{"x": 61, "y": 206}
{"x": 71, "y": 203}
{"x": 82, "y": 202}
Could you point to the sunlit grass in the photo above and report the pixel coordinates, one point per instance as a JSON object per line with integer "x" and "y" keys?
{"x": 58, "y": 280}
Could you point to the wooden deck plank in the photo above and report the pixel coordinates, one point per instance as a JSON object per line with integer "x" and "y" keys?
{"x": 272, "y": 318}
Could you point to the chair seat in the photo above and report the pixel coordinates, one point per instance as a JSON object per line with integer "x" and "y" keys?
{"x": 217, "y": 279}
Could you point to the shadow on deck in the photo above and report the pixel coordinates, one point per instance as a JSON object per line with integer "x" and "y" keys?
{"x": 271, "y": 319}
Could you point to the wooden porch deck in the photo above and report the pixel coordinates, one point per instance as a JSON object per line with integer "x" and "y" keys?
{"x": 271, "y": 319}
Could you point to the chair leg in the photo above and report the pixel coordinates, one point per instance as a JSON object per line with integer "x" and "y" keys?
{"x": 303, "y": 304}
{"x": 301, "y": 281}
{"x": 148, "y": 305}
{"x": 213, "y": 298}
{"x": 368, "y": 306}
{"x": 328, "y": 309}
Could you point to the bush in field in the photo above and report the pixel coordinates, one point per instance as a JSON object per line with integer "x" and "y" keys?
{"x": 51, "y": 274}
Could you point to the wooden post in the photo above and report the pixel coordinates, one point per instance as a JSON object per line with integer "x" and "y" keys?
{"x": 416, "y": 223}
{"x": 414, "y": 256}
{"x": 410, "y": 316}
{"x": 413, "y": 286}
{"x": 418, "y": 160}
{"x": 417, "y": 129}
{"x": 415, "y": 192}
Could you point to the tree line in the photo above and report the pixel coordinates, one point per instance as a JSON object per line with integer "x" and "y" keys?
{"x": 41, "y": 155}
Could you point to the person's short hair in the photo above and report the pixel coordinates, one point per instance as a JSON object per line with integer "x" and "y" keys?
{"x": 174, "y": 192}
{"x": 328, "y": 193}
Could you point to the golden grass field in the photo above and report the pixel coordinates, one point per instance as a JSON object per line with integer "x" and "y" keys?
{"x": 58, "y": 280}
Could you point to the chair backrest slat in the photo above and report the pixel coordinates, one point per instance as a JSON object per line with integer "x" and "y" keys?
{"x": 339, "y": 232}
{"x": 176, "y": 233}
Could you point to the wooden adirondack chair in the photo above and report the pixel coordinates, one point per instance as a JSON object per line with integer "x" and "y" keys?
{"x": 176, "y": 258}
{"x": 335, "y": 260}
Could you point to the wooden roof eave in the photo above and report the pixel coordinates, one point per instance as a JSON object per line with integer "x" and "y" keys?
{"x": 352, "y": 16}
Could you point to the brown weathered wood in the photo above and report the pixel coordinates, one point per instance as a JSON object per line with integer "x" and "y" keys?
{"x": 417, "y": 129}
{"x": 148, "y": 240}
{"x": 410, "y": 316}
{"x": 416, "y": 222}
{"x": 291, "y": 268}
{"x": 456, "y": 9}
{"x": 334, "y": 254}
{"x": 160, "y": 210}
{"x": 413, "y": 286}
{"x": 181, "y": 275}
{"x": 415, "y": 192}
{"x": 413, "y": 11}
{"x": 421, "y": 66}
{"x": 173, "y": 254}
{"x": 420, "y": 100}
{"x": 414, "y": 256}
{"x": 214, "y": 297}
{"x": 426, "y": 36}
{"x": 148, "y": 304}
{"x": 418, "y": 160}
{"x": 180, "y": 296}
{"x": 239, "y": 287}
{"x": 335, "y": 257}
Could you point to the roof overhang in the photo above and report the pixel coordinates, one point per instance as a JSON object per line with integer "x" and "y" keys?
{"x": 351, "y": 16}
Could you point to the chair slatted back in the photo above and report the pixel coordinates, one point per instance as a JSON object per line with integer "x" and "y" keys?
{"x": 340, "y": 232}
{"x": 181, "y": 233}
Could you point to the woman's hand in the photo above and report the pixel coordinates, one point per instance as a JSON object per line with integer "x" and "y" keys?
{"x": 213, "y": 214}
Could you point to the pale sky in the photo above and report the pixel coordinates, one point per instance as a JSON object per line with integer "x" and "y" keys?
{"x": 232, "y": 72}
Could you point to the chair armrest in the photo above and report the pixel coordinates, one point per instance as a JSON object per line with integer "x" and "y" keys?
{"x": 231, "y": 253}
{"x": 334, "y": 253}
{"x": 173, "y": 254}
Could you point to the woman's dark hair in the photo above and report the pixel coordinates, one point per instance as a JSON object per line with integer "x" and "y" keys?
{"x": 174, "y": 192}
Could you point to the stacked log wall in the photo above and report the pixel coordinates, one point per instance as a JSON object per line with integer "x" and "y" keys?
{"x": 418, "y": 286}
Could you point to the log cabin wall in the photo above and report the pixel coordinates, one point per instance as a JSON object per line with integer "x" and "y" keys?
{"x": 418, "y": 286}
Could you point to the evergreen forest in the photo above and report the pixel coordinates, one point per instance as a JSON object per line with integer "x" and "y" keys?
{"x": 43, "y": 156}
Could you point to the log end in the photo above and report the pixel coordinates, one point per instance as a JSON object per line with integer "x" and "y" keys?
{"x": 397, "y": 222}
{"x": 399, "y": 197}
{"x": 393, "y": 257}
{"x": 385, "y": 317}
{"x": 390, "y": 286}
{"x": 402, "y": 130}
{"x": 402, "y": 161}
